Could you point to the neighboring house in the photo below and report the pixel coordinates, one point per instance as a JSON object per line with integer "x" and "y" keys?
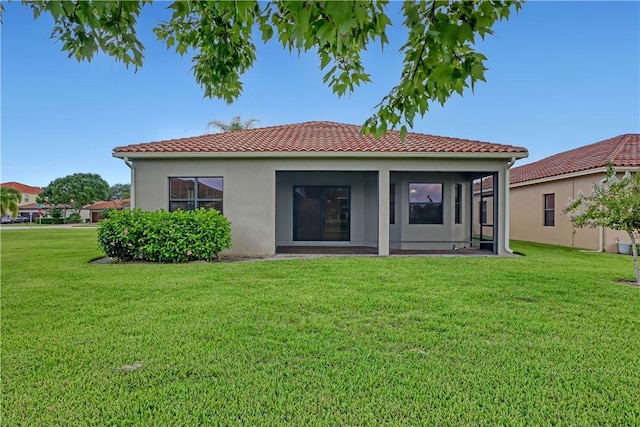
{"x": 28, "y": 192}
{"x": 94, "y": 211}
{"x": 540, "y": 191}
{"x": 322, "y": 183}
{"x": 35, "y": 210}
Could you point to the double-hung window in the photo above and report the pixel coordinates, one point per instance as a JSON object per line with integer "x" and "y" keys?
{"x": 549, "y": 210}
{"x": 458, "y": 204}
{"x": 188, "y": 193}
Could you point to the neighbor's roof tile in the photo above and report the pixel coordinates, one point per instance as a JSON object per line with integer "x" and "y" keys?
{"x": 321, "y": 137}
{"x": 23, "y": 188}
{"x": 109, "y": 204}
{"x": 621, "y": 151}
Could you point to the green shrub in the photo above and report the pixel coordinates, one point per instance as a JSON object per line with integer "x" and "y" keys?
{"x": 163, "y": 236}
{"x": 51, "y": 221}
{"x": 55, "y": 213}
{"x": 74, "y": 218}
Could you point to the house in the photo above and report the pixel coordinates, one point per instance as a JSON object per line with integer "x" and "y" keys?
{"x": 95, "y": 210}
{"x": 28, "y": 192}
{"x": 540, "y": 191}
{"x": 33, "y": 211}
{"x": 325, "y": 184}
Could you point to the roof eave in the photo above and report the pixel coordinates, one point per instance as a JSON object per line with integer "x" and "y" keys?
{"x": 318, "y": 154}
{"x": 618, "y": 169}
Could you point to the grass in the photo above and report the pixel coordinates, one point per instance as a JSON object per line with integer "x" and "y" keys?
{"x": 547, "y": 338}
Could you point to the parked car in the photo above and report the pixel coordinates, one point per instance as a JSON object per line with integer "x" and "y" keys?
{"x": 8, "y": 219}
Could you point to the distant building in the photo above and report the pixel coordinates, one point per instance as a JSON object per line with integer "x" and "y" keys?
{"x": 28, "y": 192}
{"x": 540, "y": 191}
{"x": 94, "y": 211}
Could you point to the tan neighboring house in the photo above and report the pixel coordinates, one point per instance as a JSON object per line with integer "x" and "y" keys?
{"x": 540, "y": 191}
{"x": 324, "y": 184}
{"x": 93, "y": 212}
{"x": 28, "y": 192}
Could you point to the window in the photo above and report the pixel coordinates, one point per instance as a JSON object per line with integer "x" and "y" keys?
{"x": 549, "y": 209}
{"x": 392, "y": 203}
{"x": 458, "y": 204}
{"x": 425, "y": 203}
{"x": 193, "y": 193}
{"x": 483, "y": 212}
{"x": 26, "y": 198}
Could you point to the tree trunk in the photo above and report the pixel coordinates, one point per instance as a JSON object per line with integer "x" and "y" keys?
{"x": 635, "y": 256}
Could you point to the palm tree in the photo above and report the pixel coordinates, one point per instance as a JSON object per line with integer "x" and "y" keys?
{"x": 235, "y": 124}
{"x": 10, "y": 199}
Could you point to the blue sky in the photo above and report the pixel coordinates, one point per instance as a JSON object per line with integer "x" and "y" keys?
{"x": 561, "y": 75}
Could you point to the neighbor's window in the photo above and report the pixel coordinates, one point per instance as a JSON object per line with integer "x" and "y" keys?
{"x": 425, "y": 203}
{"x": 458, "y": 204}
{"x": 549, "y": 210}
{"x": 193, "y": 193}
{"x": 392, "y": 203}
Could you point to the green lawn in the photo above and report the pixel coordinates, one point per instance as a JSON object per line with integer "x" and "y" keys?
{"x": 547, "y": 338}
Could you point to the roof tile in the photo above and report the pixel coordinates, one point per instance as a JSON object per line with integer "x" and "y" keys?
{"x": 621, "y": 151}
{"x": 23, "y": 188}
{"x": 320, "y": 137}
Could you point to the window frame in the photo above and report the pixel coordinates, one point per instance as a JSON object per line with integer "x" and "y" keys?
{"x": 196, "y": 200}
{"x": 483, "y": 211}
{"x": 416, "y": 221}
{"x": 392, "y": 203}
{"x": 546, "y": 220}
{"x": 457, "y": 204}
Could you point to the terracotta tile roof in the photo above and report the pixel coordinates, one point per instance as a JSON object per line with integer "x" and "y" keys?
{"x": 23, "y": 188}
{"x": 34, "y": 206}
{"x": 621, "y": 151}
{"x": 109, "y": 204}
{"x": 318, "y": 137}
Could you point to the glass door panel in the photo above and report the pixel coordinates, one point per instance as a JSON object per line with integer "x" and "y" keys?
{"x": 321, "y": 213}
{"x": 336, "y": 214}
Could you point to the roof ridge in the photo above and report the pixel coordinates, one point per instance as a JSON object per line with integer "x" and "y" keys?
{"x": 617, "y": 149}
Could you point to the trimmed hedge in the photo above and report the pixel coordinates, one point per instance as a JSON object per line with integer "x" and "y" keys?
{"x": 50, "y": 221}
{"x": 163, "y": 236}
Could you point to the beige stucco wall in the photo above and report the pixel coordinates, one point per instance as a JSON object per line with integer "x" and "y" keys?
{"x": 30, "y": 198}
{"x": 250, "y": 194}
{"x": 527, "y": 215}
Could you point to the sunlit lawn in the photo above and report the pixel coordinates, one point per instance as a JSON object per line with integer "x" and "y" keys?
{"x": 547, "y": 338}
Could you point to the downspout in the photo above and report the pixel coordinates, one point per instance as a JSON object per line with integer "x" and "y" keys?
{"x": 507, "y": 214}
{"x": 133, "y": 181}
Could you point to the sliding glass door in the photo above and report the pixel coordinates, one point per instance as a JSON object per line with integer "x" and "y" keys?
{"x": 321, "y": 213}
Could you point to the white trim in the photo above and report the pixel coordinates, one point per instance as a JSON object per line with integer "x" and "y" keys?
{"x": 318, "y": 154}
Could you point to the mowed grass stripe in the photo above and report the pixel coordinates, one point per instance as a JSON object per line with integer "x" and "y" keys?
{"x": 541, "y": 339}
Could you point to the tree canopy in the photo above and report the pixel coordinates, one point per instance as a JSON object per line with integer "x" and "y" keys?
{"x": 235, "y": 124}
{"x": 439, "y": 56}
{"x": 613, "y": 203}
{"x": 75, "y": 190}
{"x": 119, "y": 191}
